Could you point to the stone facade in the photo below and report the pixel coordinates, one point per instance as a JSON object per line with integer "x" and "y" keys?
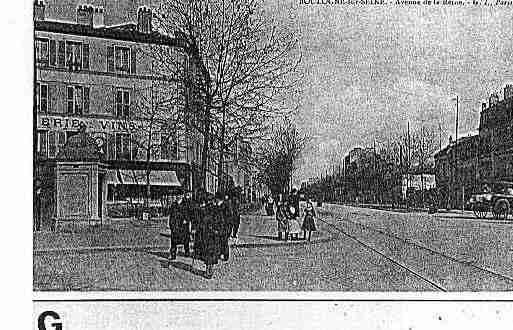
{"x": 104, "y": 77}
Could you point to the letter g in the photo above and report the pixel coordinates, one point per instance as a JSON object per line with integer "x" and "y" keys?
{"x": 42, "y": 317}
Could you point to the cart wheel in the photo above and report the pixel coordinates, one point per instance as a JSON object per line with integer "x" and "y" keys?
{"x": 479, "y": 212}
{"x": 501, "y": 209}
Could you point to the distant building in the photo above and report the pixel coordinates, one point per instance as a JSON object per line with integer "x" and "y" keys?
{"x": 465, "y": 165}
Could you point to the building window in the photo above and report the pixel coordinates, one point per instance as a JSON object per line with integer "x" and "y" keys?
{"x": 61, "y": 53}
{"x": 122, "y": 59}
{"x": 122, "y": 103}
{"x": 42, "y": 51}
{"x": 42, "y": 144}
{"x": 77, "y": 99}
{"x": 42, "y": 97}
{"x": 73, "y": 55}
{"x": 123, "y": 146}
{"x": 169, "y": 147}
{"x": 53, "y": 53}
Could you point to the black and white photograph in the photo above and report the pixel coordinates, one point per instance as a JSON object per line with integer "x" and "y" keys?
{"x": 272, "y": 146}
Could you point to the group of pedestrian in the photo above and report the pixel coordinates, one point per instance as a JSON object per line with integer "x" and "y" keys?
{"x": 288, "y": 218}
{"x": 207, "y": 222}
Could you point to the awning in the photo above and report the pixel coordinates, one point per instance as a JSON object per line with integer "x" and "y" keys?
{"x": 138, "y": 177}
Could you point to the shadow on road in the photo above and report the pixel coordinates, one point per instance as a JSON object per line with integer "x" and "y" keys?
{"x": 472, "y": 218}
{"x": 273, "y": 238}
{"x": 166, "y": 263}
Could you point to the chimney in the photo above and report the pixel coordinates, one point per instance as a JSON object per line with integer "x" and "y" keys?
{"x": 39, "y": 10}
{"x": 85, "y": 15}
{"x": 494, "y": 99}
{"x": 144, "y": 19}
{"x": 98, "y": 17}
{"x": 508, "y": 91}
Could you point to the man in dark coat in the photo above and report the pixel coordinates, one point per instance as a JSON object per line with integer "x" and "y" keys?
{"x": 224, "y": 215}
{"x": 179, "y": 227}
{"x": 209, "y": 229}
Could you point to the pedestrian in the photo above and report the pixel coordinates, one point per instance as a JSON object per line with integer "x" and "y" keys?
{"x": 179, "y": 228}
{"x": 207, "y": 236}
{"x": 270, "y": 206}
{"x": 37, "y": 206}
{"x": 309, "y": 220}
{"x": 224, "y": 213}
{"x": 294, "y": 226}
{"x": 236, "y": 214}
{"x": 281, "y": 219}
{"x": 294, "y": 200}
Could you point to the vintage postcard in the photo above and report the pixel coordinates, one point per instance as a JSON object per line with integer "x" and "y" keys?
{"x": 297, "y": 148}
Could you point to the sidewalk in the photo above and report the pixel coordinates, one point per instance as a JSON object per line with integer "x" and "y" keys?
{"x": 255, "y": 231}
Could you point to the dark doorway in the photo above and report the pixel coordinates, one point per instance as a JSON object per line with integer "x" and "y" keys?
{"x": 100, "y": 195}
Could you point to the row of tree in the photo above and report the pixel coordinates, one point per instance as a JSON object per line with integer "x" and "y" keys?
{"x": 378, "y": 173}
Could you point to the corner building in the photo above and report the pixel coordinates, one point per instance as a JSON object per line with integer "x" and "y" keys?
{"x": 104, "y": 77}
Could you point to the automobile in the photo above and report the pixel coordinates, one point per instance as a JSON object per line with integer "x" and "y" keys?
{"x": 497, "y": 200}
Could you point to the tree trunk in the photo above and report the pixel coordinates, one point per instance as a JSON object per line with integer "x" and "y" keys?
{"x": 205, "y": 149}
{"x": 220, "y": 176}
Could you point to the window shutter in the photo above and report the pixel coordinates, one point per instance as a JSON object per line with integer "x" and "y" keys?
{"x": 53, "y": 100}
{"x": 110, "y": 59}
{"x": 85, "y": 56}
{"x": 87, "y": 90}
{"x": 69, "y": 99}
{"x": 53, "y": 53}
{"x": 61, "y": 58}
{"x": 51, "y": 144}
{"x": 133, "y": 59}
{"x": 111, "y": 146}
{"x": 112, "y": 102}
{"x": 61, "y": 140}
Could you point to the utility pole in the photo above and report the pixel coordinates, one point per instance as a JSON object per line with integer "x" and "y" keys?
{"x": 408, "y": 165}
{"x": 456, "y": 151}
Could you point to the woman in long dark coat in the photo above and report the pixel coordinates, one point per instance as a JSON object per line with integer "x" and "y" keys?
{"x": 179, "y": 227}
{"x": 309, "y": 220}
{"x": 281, "y": 219}
{"x": 209, "y": 231}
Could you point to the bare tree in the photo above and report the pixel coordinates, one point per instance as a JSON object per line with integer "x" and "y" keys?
{"x": 249, "y": 59}
{"x": 152, "y": 115}
{"x": 278, "y": 157}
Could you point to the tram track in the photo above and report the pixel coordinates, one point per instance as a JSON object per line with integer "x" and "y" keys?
{"x": 403, "y": 266}
{"x": 409, "y": 242}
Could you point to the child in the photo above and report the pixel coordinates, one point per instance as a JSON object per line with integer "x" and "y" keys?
{"x": 309, "y": 220}
{"x": 295, "y": 227}
{"x": 281, "y": 219}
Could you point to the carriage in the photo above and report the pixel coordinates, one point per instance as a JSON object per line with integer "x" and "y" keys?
{"x": 498, "y": 201}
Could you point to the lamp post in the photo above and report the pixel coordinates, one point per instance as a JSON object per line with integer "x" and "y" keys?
{"x": 456, "y": 149}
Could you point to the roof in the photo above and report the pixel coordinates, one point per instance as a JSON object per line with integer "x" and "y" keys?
{"x": 80, "y": 147}
{"x": 466, "y": 140}
{"x": 125, "y": 32}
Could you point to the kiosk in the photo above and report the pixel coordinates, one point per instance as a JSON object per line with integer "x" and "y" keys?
{"x": 80, "y": 181}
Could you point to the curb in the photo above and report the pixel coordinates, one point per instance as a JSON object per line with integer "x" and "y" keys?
{"x": 143, "y": 248}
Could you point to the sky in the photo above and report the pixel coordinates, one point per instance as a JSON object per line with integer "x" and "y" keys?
{"x": 369, "y": 70}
